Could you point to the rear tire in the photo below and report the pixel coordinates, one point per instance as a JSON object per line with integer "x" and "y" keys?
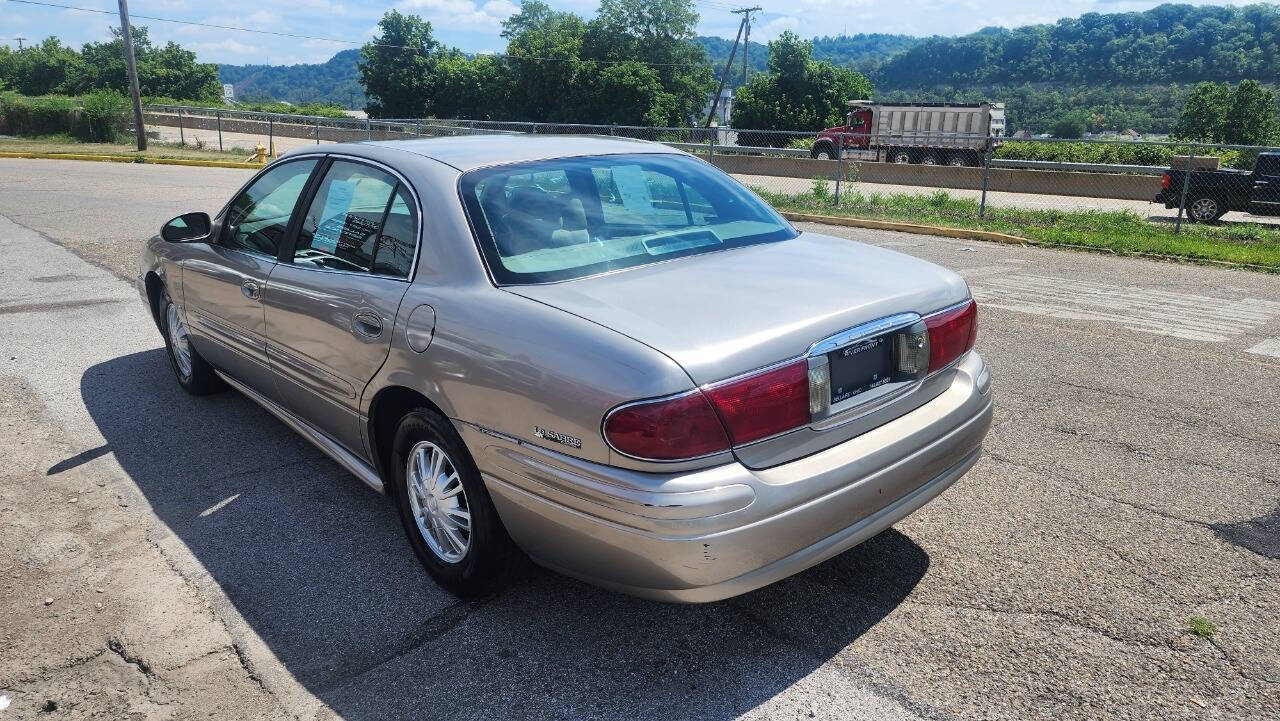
{"x": 193, "y": 372}
{"x": 446, "y": 510}
{"x": 930, "y": 159}
{"x": 1205, "y": 208}
{"x": 900, "y": 156}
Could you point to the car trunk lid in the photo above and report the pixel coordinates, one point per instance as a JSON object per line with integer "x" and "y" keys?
{"x": 723, "y": 314}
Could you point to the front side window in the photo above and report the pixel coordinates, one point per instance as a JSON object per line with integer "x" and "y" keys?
{"x": 560, "y": 219}
{"x": 361, "y": 220}
{"x": 257, "y": 219}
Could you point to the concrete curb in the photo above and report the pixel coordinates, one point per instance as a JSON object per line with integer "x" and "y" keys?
{"x": 961, "y": 233}
{"x": 130, "y": 159}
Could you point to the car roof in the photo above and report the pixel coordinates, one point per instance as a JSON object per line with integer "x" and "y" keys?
{"x": 478, "y": 151}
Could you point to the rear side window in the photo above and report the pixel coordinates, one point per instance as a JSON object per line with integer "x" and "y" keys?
{"x": 399, "y": 237}
{"x": 360, "y": 220}
{"x": 257, "y": 219}
{"x": 1268, "y": 165}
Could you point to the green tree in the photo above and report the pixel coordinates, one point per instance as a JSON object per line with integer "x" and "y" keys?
{"x": 478, "y": 88}
{"x": 1245, "y": 115}
{"x": 1205, "y": 113}
{"x": 170, "y": 71}
{"x": 397, "y": 68}
{"x": 658, "y": 39}
{"x": 1069, "y": 126}
{"x": 798, "y": 92}
{"x": 543, "y": 59}
{"x": 38, "y": 69}
{"x": 1251, "y": 120}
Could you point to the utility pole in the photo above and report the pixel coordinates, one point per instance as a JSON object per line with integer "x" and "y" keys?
{"x": 715, "y": 101}
{"x": 746, "y": 40}
{"x": 132, "y": 66}
{"x": 20, "y": 39}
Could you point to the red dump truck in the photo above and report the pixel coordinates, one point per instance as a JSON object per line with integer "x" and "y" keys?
{"x": 927, "y": 133}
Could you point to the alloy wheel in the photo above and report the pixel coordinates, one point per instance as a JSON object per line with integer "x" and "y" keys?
{"x": 1204, "y": 209}
{"x": 439, "y": 501}
{"x": 178, "y": 340}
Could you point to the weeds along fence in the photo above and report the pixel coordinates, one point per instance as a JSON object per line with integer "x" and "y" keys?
{"x": 969, "y": 176}
{"x": 96, "y": 117}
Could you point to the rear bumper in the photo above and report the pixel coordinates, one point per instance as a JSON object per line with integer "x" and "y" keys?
{"x": 714, "y": 533}
{"x": 1167, "y": 198}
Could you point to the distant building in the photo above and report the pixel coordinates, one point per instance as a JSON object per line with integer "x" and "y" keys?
{"x": 1021, "y": 134}
{"x": 724, "y": 110}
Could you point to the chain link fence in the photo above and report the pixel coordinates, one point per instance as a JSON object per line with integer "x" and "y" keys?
{"x": 953, "y": 178}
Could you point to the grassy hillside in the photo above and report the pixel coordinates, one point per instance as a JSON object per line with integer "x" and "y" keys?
{"x": 335, "y": 81}
{"x": 847, "y": 50}
{"x": 1169, "y": 43}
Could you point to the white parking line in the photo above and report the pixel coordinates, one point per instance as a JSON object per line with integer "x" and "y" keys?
{"x": 1181, "y": 315}
{"x": 1270, "y": 346}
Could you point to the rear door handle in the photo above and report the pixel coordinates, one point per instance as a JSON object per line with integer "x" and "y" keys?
{"x": 251, "y": 289}
{"x": 367, "y": 324}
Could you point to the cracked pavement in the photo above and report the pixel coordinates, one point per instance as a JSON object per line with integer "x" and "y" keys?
{"x": 1129, "y": 483}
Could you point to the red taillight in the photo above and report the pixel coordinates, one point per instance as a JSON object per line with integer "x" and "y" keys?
{"x": 710, "y": 420}
{"x": 1165, "y": 181}
{"x": 666, "y": 430}
{"x": 951, "y": 334}
{"x": 764, "y": 404}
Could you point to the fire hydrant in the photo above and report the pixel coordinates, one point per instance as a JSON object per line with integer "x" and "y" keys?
{"x": 260, "y": 153}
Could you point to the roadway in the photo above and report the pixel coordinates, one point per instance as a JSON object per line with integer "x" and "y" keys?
{"x": 1129, "y": 483}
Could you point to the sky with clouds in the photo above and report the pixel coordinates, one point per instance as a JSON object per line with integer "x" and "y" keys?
{"x": 473, "y": 25}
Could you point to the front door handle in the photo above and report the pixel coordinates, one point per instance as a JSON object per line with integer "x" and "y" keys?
{"x": 251, "y": 289}
{"x": 367, "y": 324}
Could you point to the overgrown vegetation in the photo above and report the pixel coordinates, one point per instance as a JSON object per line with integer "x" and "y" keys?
{"x": 1115, "y": 153}
{"x": 1122, "y": 232}
{"x": 326, "y": 110}
{"x": 95, "y": 117}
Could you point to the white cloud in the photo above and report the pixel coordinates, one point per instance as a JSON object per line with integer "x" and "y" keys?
{"x": 462, "y": 14}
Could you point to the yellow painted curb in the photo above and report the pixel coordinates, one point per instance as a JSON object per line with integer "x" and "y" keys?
{"x": 961, "y": 233}
{"x": 129, "y": 159}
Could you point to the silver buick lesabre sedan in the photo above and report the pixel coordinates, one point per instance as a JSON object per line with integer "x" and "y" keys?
{"x": 605, "y": 354}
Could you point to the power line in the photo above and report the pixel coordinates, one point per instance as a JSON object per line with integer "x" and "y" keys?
{"x": 347, "y": 42}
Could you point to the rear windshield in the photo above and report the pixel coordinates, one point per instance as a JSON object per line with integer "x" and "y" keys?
{"x": 567, "y": 218}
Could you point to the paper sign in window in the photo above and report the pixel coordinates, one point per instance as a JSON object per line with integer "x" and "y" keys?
{"x": 333, "y": 217}
{"x": 632, "y": 187}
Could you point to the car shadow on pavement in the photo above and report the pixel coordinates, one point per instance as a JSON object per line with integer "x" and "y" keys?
{"x": 318, "y": 566}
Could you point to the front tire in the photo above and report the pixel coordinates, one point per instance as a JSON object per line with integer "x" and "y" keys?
{"x": 823, "y": 152}
{"x": 446, "y": 510}
{"x": 193, "y": 372}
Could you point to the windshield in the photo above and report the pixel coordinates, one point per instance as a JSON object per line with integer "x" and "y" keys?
{"x": 571, "y": 217}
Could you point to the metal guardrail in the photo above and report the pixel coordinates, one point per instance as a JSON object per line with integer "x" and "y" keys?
{"x": 1078, "y": 167}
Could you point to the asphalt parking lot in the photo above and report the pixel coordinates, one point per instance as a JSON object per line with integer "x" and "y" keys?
{"x": 1130, "y": 483}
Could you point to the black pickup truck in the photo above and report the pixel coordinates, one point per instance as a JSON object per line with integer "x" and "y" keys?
{"x": 1212, "y": 193}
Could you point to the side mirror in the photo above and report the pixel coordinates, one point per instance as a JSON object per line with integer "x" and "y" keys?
{"x": 188, "y": 226}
